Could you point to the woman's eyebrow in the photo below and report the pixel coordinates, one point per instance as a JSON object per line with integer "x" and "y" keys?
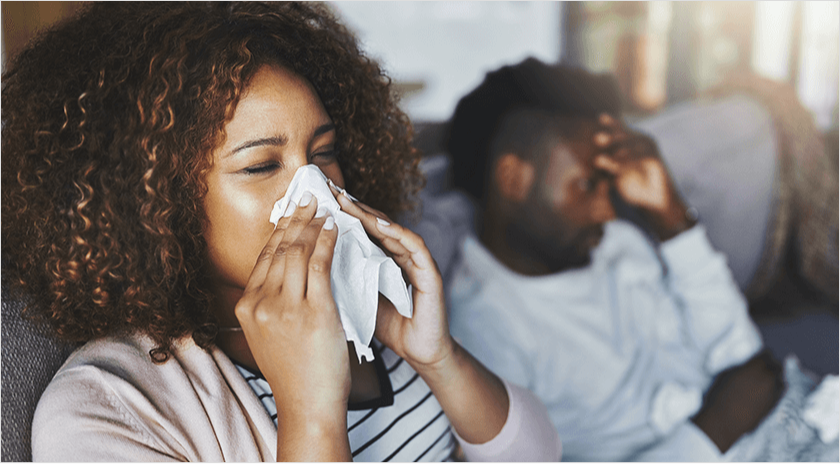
{"x": 278, "y": 140}
{"x": 324, "y": 129}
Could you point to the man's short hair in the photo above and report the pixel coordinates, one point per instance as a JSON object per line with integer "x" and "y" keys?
{"x": 480, "y": 127}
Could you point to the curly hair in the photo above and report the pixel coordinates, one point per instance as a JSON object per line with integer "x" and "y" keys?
{"x": 108, "y": 123}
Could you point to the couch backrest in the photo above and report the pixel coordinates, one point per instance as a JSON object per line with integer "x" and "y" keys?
{"x": 30, "y": 358}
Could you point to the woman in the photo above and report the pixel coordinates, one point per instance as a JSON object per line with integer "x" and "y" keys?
{"x": 144, "y": 145}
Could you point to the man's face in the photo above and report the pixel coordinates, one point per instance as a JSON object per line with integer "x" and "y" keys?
{"x": 562, "y": 219}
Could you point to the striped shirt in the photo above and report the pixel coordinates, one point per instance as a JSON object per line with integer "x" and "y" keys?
{"x": 405, "y": 424}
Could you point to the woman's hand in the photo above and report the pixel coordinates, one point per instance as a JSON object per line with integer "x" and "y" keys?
{"x": 423, "y": 340}
{"x": 293, "y": 330}
{"x": 473, "y": 398}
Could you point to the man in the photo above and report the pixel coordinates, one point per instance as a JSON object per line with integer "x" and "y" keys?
{"x": 620, "y": 331}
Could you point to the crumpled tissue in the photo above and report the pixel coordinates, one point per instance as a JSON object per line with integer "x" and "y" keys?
{"x": 672, "y": 404}
{"x": 360, "y": 270}
{"x": 823, "y": 408}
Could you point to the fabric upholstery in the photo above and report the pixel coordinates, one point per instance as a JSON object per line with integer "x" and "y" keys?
{"x": 722, "y": 156}
{"x": 804, "y": 228}
{"x": 445, "y": 215}
{"x": 30, "y": 358}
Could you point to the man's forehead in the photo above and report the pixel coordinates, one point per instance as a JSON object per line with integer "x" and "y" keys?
{"x": 572, "y": 143}
{"x": 566, "y": 160}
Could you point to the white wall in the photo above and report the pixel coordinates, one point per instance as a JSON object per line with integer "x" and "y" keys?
{"x": 450, "y": 46}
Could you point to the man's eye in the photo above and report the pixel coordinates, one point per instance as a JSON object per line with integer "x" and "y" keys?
{"x": 262, "y": 168}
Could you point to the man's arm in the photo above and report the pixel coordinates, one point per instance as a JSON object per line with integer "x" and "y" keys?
{"x": 716, "y": 318}
{"x": 739, "y": 399}
{"x": 714, "y": 310}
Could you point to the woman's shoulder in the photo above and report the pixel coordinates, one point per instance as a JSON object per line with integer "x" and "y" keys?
{"x": 110, "y": 401}
{"x": 92, "y": 395}
{"x": 111, "y": 349}
{"x": 121, "y": 365}
{"x": 102, "y": 362}
{"x": 129, "y": 357}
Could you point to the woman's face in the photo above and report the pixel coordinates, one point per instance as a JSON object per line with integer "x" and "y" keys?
{"x": 279, "y": 125}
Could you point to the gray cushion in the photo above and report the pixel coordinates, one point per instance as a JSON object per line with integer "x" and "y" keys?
{"x": 722, "y": 156}
{"x": 445, "y": 215}
{"x": 30, "y": 358}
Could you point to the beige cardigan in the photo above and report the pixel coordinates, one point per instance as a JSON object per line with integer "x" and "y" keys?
{"x": 180, "y": 410}
{"x": 197, "y": 407}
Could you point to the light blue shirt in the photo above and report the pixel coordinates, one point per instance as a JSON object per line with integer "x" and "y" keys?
{"x": 620, "y": 351}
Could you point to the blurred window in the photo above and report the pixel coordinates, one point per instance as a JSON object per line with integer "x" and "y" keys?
{"x": 773, "y": 39}
{"x": 818, "y": 66}
{"x": 661, "y": 52}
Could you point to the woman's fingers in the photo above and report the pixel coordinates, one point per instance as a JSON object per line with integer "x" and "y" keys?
{"x": 375, "y": 226}
{"x": 264, "y": 260}
{"x": 298, "y": 257}
{"x": 408, "y": 248}
{"x": 318, "y": 273}
{"x": 297, "y": 222}
{"x": 369, "y": 217}
{"x": 394, "y": 247}
{"x": 372, "y": 211}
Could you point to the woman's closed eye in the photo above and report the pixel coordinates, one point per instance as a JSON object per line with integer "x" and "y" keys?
{"x": 263, "y": 168}
{"x": 323, "y": 157}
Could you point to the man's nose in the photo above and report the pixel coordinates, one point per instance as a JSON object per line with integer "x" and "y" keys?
{"x": 602, "y": 208}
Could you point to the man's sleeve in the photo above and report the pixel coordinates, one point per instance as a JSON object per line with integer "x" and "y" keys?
{"x": 713, "y": 308}
{"x": 685, "y": 443}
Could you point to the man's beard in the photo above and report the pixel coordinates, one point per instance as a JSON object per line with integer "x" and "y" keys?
{"x": 555, "y": 253}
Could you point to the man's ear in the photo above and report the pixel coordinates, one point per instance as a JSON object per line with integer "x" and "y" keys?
{"x": 514, "y": 177}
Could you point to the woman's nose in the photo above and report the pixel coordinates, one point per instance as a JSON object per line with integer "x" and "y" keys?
{"x": 297, "y": 160}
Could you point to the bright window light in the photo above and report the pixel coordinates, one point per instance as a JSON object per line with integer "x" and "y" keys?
{"x": 772, "y": 39}
{"x": 818, "y": 67}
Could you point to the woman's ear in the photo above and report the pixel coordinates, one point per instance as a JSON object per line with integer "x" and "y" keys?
{"x": 514, "y": 177}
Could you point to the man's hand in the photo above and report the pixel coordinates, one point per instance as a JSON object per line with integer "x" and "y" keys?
{"x": 640, "y": 177}
{"x": 739, "y": 399}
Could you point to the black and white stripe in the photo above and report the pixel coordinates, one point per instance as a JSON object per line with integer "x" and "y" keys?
{"x": 411, "y": 429}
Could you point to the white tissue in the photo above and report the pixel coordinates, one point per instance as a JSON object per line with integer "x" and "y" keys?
{"x": 673, "y": 404}
{"x": 360, "y": 269}
{"x": 823, "y": 408}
